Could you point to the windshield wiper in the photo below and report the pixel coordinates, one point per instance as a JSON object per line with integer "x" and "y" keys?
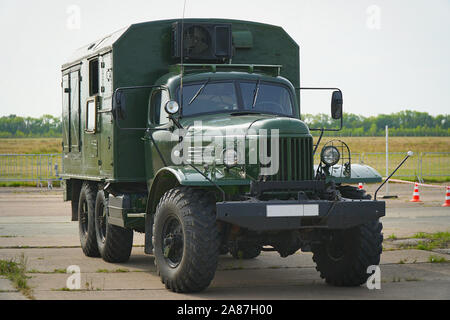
{"x": 255, "y": 93}
{"x": 240, "y": 113}
{"x": 248, "y": 112}
{"x": 198, "y": 92}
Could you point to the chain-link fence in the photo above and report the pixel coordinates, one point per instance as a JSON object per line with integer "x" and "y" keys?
{"x": 37, "y": 168}
{"x": 421, "y": 165}
{"x": 45, "y": 168}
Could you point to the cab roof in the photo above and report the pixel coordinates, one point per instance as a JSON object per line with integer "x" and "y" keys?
{"x": 172, "y": 80}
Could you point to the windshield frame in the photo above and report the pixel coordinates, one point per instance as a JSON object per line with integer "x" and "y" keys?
{"x": 239, "y": 98}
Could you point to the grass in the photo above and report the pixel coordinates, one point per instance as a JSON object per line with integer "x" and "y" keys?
{"x": 396, "y": 144}
{"x": 436, "y": 259}
{"x": 59, "y": 271}
{"x": 30, "y": 146}
{"x": 356, "y": 144}
{"x": 392, "y": 237}
{"x": 64, "y": 289}
{"x": 120, "y": 270}
{"x": 412, "y": 279}
{"x": 432, "y": 165}
{"x": 103, "y": 271}
{"x": 434, "y": 240}
{"x": 15, "y": 270}
{"x": 56, "y": 184}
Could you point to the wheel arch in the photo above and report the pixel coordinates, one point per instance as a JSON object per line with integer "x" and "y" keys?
{"x": 165, "y": 179}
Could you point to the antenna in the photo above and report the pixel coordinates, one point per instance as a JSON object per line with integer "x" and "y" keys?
{"x": 181, "y": 54}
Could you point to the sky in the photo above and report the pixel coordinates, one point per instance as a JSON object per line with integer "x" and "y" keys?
{"x": 386, "y": 56}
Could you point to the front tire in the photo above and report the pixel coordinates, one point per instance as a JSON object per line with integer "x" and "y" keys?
{"x": 343, "y": 258}
{"x": 114, "y": 243}
{"x": 186, "y": 239}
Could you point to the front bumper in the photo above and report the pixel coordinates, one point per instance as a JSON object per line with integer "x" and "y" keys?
{"x": 293, "y": 214}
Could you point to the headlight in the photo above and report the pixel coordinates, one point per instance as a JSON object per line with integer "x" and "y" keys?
{"x": 330, "y": 155}
{"x": 230, "y": 157}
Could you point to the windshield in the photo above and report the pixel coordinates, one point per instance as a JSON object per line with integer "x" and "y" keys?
{"x": 235, "y": 97}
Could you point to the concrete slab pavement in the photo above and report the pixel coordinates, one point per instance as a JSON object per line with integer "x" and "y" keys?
{"x": 38, "y": 225}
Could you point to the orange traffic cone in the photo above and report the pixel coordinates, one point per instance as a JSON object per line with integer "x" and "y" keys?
{"x": 416, "y": 197}
{"x": 447, "y": 198}
{"x": 360, "y": 186}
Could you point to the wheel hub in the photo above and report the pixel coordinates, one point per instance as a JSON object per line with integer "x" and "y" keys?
{"x": 102, "y": 223}
{"x": 172, "y": 242}
{"x": 84, "y": 217}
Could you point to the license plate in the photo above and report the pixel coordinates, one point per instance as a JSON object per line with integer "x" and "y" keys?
{"x": 292, "y": 210}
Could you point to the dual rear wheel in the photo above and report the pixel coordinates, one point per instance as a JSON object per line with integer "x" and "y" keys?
{"x": 185, "y": 235}
{"x": 97, "y": 236}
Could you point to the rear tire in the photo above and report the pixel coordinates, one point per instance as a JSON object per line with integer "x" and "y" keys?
{"x": 186, "y": 239}
{"x": 86, "y": 220}
{"x": 343, "y": 259}
{"x": 114, "y": 243}
{"x": 244, "y": 250}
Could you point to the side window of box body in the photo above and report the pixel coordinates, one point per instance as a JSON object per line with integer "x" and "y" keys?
{"x": 95, "y": 92}
{"x": 91, "y": 115}
{"x": 94, "y": 83}
{"x": 75, "y": 111}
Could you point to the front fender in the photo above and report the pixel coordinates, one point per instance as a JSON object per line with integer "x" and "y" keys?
{"x": 359, "y": 173}
{"x": 188, "y": 176}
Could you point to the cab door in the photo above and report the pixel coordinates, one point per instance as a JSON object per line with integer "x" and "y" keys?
{"x": 157, "y": 139}
{"x": 71, "y": 111}
{"x": 75, "y": 112}
{"x": 66, "y": 113}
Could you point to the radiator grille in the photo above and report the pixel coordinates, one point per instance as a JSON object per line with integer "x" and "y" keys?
{"x": 295, "y": 160}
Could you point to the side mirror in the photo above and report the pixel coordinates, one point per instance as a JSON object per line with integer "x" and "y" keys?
{"x": 172, "y": 107}
{"x": 119, "y": 106}
{"x": 336, "y": 105}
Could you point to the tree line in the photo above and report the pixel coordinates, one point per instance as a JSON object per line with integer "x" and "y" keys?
{"x": 13, "y": 126}
{"x": 403, "y": 123}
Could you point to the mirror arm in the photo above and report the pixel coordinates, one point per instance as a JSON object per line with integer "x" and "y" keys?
{"x": 318, "y": 141}
{"x": 177, "y": 123}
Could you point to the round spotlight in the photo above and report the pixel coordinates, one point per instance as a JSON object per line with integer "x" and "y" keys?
{"x": 330, "y": 155}
{"x": 172, "y": 107}
{"x": 230, "y": 158}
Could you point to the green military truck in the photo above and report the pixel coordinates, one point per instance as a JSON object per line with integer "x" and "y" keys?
{"x": 134, "y": 103}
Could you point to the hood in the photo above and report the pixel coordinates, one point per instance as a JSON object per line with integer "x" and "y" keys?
{"x": 220, "y": 124}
